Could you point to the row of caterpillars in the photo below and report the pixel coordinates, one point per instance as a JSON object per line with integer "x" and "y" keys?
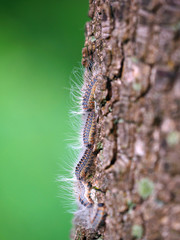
{"x": 92, "y": 213}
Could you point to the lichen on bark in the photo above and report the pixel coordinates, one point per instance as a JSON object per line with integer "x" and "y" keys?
{"x": 135, "y": 48}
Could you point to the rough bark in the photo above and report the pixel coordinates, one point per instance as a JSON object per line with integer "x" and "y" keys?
{"x": 134, "y": 48}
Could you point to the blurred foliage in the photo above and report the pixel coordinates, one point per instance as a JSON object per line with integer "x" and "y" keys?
{"x": 40, "y": 43}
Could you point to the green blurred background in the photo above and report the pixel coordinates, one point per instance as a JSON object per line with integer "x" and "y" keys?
{"x": 40, "y": 43}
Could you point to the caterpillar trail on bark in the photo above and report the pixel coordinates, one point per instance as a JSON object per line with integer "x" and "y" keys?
{"x": 89, "y": 213}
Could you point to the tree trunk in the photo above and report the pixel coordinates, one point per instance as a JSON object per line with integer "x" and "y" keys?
{"x": 133, "y": 48}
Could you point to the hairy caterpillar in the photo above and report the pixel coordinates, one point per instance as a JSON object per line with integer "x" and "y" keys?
{"x": 89, "y": 130}
{"x": 84, "y": 164}
{"x": 98, "y": 217}
{"x": 84, "y": 194}
{"x": 88, "y": 98}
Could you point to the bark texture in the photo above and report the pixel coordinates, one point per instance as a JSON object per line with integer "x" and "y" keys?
{"x": 134, "y": 47}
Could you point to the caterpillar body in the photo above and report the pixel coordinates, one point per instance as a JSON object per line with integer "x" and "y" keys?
{"x": 84, "y": 164}
{"x": 84, "y": 195}
{"x": 99, "y": 215}
{"x": 89, "y": 130}
{"x": 88, "y": 98}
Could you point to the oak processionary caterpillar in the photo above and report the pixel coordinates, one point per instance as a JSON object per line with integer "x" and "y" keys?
{"x": 90, "y": 214}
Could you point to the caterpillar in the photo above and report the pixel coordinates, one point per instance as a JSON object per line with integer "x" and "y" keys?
{"x": 98, "y": 217}
{"x": 88, "y": 98}
{"x": 89, "y": 130}
{"x": 84, "y": 196}
{"x": 84, "y": 164}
